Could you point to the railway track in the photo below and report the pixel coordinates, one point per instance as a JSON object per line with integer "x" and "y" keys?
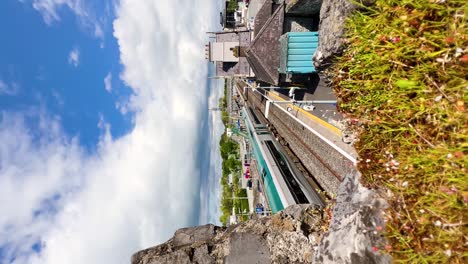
{"x": 289, "y": 152}
{"x": 324, "y": 167}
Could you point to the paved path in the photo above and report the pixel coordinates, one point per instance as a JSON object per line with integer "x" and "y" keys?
{"x": 318, "y": 89}
{"x": 327, "y": 130}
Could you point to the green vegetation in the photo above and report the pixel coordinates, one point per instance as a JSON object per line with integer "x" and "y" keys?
{"x": 223, "y": 104}
{"x": 231, "y": 165}
{"x": 404, "y": 76}
{"x": 232, "y": 6}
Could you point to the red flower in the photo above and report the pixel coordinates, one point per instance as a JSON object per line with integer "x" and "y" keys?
{"x": 450, "y": 40}
{"x": 464, "y": 58}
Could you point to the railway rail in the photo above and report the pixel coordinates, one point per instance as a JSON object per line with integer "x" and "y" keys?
{"x": 324, "y": 166}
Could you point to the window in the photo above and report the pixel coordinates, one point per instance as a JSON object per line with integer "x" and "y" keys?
{"x": 227, "y": 66}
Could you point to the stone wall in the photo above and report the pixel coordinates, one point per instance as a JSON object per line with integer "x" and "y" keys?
{"x": 303, "y": 7}
{"x": 356, "y": 232}
{"x": 286, "y": 237}
{"x": 333, "y": 15}
{"x": 295, "y": 235}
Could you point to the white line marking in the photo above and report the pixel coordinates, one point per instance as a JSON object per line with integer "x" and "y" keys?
{"x": 340, "y": 150}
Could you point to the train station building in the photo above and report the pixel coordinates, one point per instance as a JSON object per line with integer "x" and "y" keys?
{"x": 276, "y": 48}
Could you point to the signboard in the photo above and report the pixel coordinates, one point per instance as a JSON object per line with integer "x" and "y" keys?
{"x": 259, "y": 208}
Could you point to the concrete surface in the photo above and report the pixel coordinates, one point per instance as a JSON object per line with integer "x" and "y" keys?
{"x": 247, "y": 248}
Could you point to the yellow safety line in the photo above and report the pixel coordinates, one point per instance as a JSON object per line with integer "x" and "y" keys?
{"x": 333, "y": 128}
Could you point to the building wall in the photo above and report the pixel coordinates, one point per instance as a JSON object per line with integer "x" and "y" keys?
{"x": 240, "y": 68}
{"x": 228, "y": 54}
{"x": 227, "y": 37}
{"x": 242, "y": 37}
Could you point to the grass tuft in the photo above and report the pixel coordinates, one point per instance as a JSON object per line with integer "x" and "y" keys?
{"x": 404, "y": 76}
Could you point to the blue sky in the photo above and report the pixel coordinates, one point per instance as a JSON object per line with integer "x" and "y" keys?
{"x": 107, "y": 144}
{"x": 35, "y": 59}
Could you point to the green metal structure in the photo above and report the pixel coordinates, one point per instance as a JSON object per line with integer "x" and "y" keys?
{"x": 296, "y": 52}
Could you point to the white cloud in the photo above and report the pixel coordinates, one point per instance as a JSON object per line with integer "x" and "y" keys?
{"x": 134, "y": 191}
{"x": 210, "y": 204}
{"x": 108, "y": 82}
{"x": 49, "y": 9}
{"x": 8, "y": 88}
{"x": 122, "y": 106}
{"x": 31, "y": 171}
{"x": 74, "y": 57}
{"x": 98, "y": 32}
{"x": 58, "y": 98}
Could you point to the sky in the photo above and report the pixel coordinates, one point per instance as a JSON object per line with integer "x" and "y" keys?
{"x": 107, "y": 145}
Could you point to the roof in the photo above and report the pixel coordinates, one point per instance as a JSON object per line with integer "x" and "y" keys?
{"x": 263, "y": 52}
{"x": 296, "y": 52}
{"x": 262, "y": 16}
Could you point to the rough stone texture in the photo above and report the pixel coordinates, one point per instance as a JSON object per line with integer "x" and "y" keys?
{"x": 353, "y": 235}
{"x": 303, "y": 7}
{"x": 188, "y": 236}
{"x": 333, "y": 14}
{"x": 289, "y": 236}
{"x": 247, "y": 248}
{"x": 292, "y": 236}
